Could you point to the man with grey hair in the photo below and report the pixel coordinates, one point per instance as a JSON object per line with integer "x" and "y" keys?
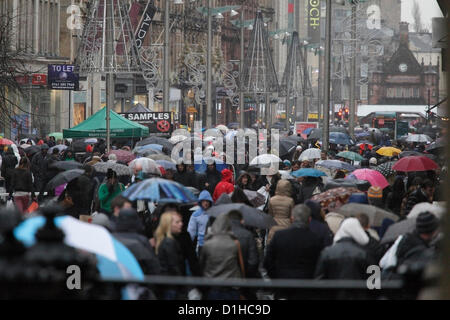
{"x": 293, "y": 252}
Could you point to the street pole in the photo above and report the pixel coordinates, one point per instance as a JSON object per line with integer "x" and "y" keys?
{"x": 109, "y": 50}
{"x": 166, "y": 84}
{"x": 305, "y": 79}
{"x": 319, "y": 88}
{"x": 326, "y": 112}
{"x": 288, "y": 93}
{"x": 352, "y": 110}
{"x": 241, "y": 68}
{"x": 209, "y": 71}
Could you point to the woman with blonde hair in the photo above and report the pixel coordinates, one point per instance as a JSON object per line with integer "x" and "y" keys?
{"x": 168, "y": 250}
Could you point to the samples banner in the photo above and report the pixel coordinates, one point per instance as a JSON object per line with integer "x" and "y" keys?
{"x": 157, "y": 122}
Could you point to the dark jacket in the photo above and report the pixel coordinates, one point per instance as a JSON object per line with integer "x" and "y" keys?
{"x": 248, "y": 247}
{"x": 212, "y": 177}
{"x": 188, "y": 252}
{"x": 87, "y": 184}
{"x": 171, "y": 258}
{"x": 21, "y": 180}
{"x": 263, "y": 182}
{"x": 345, "y": 259}
{"x": 186, "y": 178}
{"x": 322, "y": 230}
{"x": 39, "y": 166}
{"x": 9, "y": 162}
{"x": 415, "y": 198}
{"x": 411, "y": 245}
{"x": 128, "y": 230}
{"x": 293, "y": 253}
{"x": 308, "y": 187}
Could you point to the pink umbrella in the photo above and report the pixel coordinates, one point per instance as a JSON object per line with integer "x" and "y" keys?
{"x": 123, "y": 155}
{"x": 375, "y": 178}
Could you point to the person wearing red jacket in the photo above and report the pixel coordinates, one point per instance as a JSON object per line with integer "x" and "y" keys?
{"x": 225, "y": 185}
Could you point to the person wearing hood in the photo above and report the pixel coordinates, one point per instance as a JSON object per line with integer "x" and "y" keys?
{"x": 348, "y": 257}
{"x": 310, "y": 186}
{"x": 183, "y": 176}
{"x": 280, "y": 207}
{"x": 212, "y": 178}
{"x": 225, "y": 185}
{"x": 129, "y": 231}
{"x": 9, "y": 162}
{"x": 199, "y": 219}
{"x": 221, "y": 257}
{"x": 318, "y": 224}
{"x": 293, "y": 252}
{"x": 244, "y": 181}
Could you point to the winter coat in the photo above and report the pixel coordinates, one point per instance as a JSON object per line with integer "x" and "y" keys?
{"x": 349, "y": 256}
{"x": 212, "y": 178}
{"x": 105, "y": 197}
{"x": 219, "y": 257}
{"x": 248, "y": 247}
{"x": 310, "y": 187}
{"x": 280, "y": 207}
{"x": 263, "y": 181}
{"x": 21, "y": 180}
{"x": 188, "y": 253}
{"x": 184, "y": 177}
{"x": 199, "y": 220}
{"x": 410, "y": 246}
{"x": 239, "y": 183}
{"x": 171, "y": 258}
{"x": 293, "y": 253}
{"x": 415, "y": 198}
{"x": 128, "y": 230}
{"x": 39, "y": 166}
{"x": 87, "y": 185}
{"x": 323, "y": 231}
{"x": 9, "y": 162}
{"x": 225, "y": 185}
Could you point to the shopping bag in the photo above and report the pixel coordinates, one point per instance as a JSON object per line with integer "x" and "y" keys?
{"x": 33, "y": 207}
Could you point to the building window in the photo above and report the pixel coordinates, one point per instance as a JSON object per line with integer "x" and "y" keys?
{"x": 363, "y": 92}
{"x": 398, "y": 93}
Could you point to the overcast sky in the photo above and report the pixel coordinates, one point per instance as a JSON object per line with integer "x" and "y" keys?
{"x": 429, "y": 9}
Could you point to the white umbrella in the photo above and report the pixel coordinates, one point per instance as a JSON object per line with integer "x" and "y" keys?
{"x": 418, "y": 138}
{"x": 178, "y": 138}
{"x": 148, "y": 165}
{"x": 434, "y": 208}
{"x": 310, "y": 154}
{"x": 265, "y": 160}
{"x": 222, "y": 128}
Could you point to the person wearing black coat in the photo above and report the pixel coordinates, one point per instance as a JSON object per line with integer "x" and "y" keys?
{"x": 184, "y": 177}
{"x": 212, "y": 178}
{"x": 128, "y": 230}
{"x": 293, "y": 252}
{"x": 22, "y": 184}
{"x": 348, "y": 257}
{"x": 422, "y": 194}
{"x": 39, "y": 168}
{"x": 318, "y": 224}
{"x": 9, "y": 162}
{"x": 308, "y": 187}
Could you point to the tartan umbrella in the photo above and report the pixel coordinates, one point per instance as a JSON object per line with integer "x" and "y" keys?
{"x": 386, "y": 168}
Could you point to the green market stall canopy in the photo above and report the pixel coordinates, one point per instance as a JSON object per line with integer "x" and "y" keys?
{"x": 95, "y": 126}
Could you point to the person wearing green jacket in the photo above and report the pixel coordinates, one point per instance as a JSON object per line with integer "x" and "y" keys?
{"x": 109, "y": 190}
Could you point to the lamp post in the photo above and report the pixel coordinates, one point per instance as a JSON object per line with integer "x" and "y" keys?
{"x": 326, "y": 112}
{"x": 305, "y": 79}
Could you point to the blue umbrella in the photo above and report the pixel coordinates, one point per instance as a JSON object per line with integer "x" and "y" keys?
{"x": 308, "y": 172}
{"x": 201, "y": 167}
{"x": 340, "y": 138}
{"x": 114, "y": 259}
{"x": 159, "y": 190}
{"x": 363, "y": 134}
{"x": 167, "y": 164}
{"x": 307, "y": 131}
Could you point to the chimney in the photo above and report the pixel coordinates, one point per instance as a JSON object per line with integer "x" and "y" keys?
{"x": 404, "y": 34}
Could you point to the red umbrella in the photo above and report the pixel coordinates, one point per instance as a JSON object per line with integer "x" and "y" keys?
{"x": 123, "y": 155}
{"x": 415, "y": 163}
{"x": 4, "y": 141}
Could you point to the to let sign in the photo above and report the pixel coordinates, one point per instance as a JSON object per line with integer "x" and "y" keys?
{"x": 62, "y": 77}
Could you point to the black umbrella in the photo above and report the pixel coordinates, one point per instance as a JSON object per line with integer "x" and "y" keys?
{"x": 64, "y": 177}
{"x": 79, "y": 146}
{"x": 317, "y": 133}
{"x": 66, "y": 165}
{"x": 295, "y": 138}
{"x": 436, "y": 147}
{"x": 32, "y": 150}
{"x": 252, "y": 217}
{"x": 361, "y": 185}
{"x": 286, "y": 146}
{"x": 397, "y": 229}
{"x": 156, "y": 140}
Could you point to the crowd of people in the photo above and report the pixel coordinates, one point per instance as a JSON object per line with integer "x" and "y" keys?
{"x": 309, "y": 240}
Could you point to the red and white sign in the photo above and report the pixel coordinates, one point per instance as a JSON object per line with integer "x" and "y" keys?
{"x": 302, "y": 126}
{"x": 39, "y": 79}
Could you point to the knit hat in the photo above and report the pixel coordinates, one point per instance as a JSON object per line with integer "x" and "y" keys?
{"x": 373, "y": 160}
{"x": 287, "y": 162}
{"x": 426, "y": 222}
{"x": 375, "y": 192}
